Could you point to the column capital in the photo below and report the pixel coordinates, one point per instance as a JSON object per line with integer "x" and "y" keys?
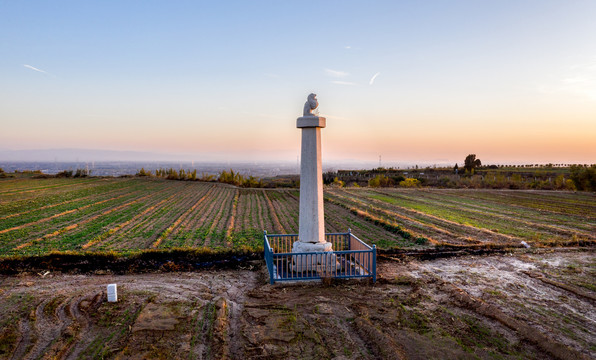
{"x": 311, "y": 122}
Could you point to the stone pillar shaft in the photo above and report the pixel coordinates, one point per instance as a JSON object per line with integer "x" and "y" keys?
{"x": 311, "y": 225}
{"x": 312, "y": 220}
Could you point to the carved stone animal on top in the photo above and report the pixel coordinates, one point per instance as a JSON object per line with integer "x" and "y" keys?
{"x": 310, "y": 105}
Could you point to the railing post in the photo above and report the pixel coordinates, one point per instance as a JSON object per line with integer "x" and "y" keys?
{"x": 349, "y": 239}
{"x": 268, "y": 257}
{"x": 374, "y": 263}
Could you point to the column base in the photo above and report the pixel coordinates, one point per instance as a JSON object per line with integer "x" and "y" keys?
{"x": 300, "y": 246}
{"x": 324, "y": 264}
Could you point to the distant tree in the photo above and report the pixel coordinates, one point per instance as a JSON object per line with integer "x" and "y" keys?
{"x": 207, "y": 177}
{"x": 143, "y": 172}
{"x": 81, "y": 173}
{"x": 171, "y": 174}
{"x": 583, "y": 177}
{"x": 380, "y": 181}
{"x": 471, "y": 162}
{"x": 64, "y": 173}
{"x": 410, "y": 183}
{"x": 455, "y": 168}
{"x": 337, "y": 182}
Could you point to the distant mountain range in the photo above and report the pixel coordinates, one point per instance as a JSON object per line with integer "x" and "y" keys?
{"x": 88, "y": 155}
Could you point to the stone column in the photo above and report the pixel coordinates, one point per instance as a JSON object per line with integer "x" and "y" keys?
{"x": 312, "y": 216}
{"x": 311, "y": 226}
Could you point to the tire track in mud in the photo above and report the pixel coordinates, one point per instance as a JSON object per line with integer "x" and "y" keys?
{"x": 83, "y": 324}
{"x": 381, "y": 345}
{"x": 24, "y": 339}
{"x": 572, "y": 289}
{"x": 47, "y": 330}
{"x": 499, "y": 290}
{"x": 545, "y": 343}
{"x": 57, "y": 334}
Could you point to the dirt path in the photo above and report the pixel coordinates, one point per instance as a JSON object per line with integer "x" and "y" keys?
{"x": 534, "y": 305}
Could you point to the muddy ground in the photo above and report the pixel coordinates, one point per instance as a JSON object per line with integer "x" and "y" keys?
{"x": 536, "y": 304}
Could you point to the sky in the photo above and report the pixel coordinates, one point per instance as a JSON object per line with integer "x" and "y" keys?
{"x": 410, "y": 81}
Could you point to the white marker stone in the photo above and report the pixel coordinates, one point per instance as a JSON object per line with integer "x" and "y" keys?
{"x": 112, "y": 293}
{"x": 311, "y": 223}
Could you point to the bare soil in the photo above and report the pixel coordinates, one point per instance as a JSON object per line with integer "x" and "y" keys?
{"x": 534, "y": 304}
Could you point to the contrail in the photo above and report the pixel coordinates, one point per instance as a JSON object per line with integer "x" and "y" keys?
{"x": 34, "y": 68}
{"x": 372, "y": 80}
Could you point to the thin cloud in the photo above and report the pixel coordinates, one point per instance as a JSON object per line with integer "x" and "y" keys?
{"x": 349, "y": 83}
{"x": 347, "y": 47}
{"x": 35, "y": 69}
{"x": 372, "y": 79}
{"x": 336, "y": 73}
{"x": 39, "y": 70}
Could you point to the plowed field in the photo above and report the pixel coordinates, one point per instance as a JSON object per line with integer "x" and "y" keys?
{"x": 123, "y": 215}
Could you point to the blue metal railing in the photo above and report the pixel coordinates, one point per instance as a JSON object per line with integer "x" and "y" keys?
{"x": 350, "y": 258}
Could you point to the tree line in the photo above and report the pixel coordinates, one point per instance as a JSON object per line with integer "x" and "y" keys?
{"x": 228, "y": 177}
